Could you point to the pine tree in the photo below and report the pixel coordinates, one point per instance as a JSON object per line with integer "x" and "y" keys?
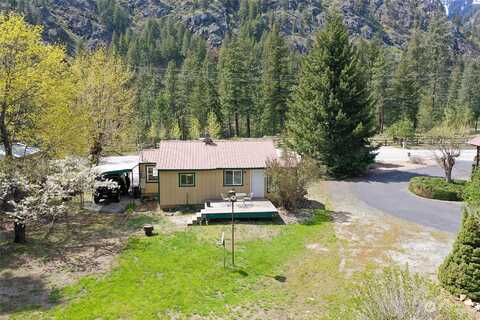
{"x": 460, "y": 272}
{"x": 230, "y": 85}
{"x": 380, "y": 83}
{"x": 405, "y": 92}
{"x": 456, "y": 111}
{"x": 210, "y": 85}
{"x": 330, "y": 117}
{"x": 425, "y": 120}
{"x": 438, "y": 40}
{"x": 168, "y": 100}
{"x": 213, "y": 127}
{"x": 187, "y": 81}
{"x": 276, "y": 84}
{"x": 195, "y": 128}
{"x": 470, "y": 91}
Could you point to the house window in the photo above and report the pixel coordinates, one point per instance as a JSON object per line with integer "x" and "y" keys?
{"x": 233, "y": 177}
{"x": 152, "y": 174}
{"x": 186, "y": 179}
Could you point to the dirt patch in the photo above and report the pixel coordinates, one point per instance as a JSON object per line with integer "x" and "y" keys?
{"x": 78, "y": 245}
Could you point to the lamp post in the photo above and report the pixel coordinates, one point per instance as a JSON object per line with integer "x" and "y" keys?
{"x": 233, "y": 198}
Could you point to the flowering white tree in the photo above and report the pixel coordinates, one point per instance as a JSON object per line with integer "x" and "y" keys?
{"x": 24, "y": 200}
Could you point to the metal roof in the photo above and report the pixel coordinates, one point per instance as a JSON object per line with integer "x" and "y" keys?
{"x": 475, "y": 141}
{"x": 220, "y": 154}
{"x": 118, "y": 164}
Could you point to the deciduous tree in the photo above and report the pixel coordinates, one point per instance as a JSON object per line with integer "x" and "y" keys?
{"x": 104, "y": 99}
{"x": 31, "y": 72}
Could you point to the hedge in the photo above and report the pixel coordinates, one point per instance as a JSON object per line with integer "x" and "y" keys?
{"x": 437, "y": 188}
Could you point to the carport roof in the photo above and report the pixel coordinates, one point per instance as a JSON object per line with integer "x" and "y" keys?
{"x": 475, "y": 141}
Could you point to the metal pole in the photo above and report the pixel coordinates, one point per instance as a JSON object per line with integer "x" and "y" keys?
{"x": 233, "y": 235}
{"x": 478, "y": 156}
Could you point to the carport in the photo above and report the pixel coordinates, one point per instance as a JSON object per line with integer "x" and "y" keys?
{"x": 127, "y": 165}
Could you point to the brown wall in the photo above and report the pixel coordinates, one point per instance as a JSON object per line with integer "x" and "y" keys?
{"x": 208, "y": 186}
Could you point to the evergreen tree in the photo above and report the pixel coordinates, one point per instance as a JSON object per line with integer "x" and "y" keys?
{"x": 456, "y": 111}
{"x": 380, "y": 83}
{"x": 276, "y": 84}
{"x": 169, "y": 101}
{"x": 330, "y": 117}
{"x": 438, "y": 40}
{"x": 188, "y": 79}
{"x": 230, "y": 85}
{"x": 405, "y": 92}
{"x": 460, "y": 272}
{"x": 470, "y": 91}
{"x": 425, "y": 120}
{"x": 214, "y": 128}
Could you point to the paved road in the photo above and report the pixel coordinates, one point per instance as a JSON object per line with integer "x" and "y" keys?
{"x": 388, "y": 191}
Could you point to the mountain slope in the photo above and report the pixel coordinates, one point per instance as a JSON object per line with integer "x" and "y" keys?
{"x": 95, "y": 21}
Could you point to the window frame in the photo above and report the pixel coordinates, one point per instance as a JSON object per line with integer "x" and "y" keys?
{"x": 149, "y": 178}
{"x": 180, "y": 185}
{"x": 225, "y": 184}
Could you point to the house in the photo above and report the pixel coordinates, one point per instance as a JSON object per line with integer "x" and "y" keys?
{"x": 192, "y": 172}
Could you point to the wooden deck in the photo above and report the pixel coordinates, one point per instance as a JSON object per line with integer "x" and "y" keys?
{"x": 222, "y": 210}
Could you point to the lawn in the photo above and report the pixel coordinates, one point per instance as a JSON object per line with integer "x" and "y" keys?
{"x": 181, "y": 274}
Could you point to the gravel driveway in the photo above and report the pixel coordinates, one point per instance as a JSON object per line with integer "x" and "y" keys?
{"x": 387, "y": 190}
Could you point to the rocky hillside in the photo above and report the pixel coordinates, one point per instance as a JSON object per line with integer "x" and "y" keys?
{"x": 95, "y": 21}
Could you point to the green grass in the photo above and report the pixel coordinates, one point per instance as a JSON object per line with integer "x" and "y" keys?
{"x": 182, "y": 273}
{"x": 437, "y": 188}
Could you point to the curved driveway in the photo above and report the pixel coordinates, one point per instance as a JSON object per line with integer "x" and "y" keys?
{"x": 388, "y": 191}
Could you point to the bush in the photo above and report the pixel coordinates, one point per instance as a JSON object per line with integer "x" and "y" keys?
{"x": 437, "y": 188}
{"x": 460, "y": 272}
{"x": 397, "y": 294}
{"x": 288, "y": 179}
{"x": 401, "y": 130}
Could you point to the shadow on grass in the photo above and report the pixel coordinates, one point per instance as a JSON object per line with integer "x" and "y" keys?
{"x": 93, "y": 233}
{"x": 25, "y": 293}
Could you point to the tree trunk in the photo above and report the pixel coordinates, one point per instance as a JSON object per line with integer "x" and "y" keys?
{"x": 96, "y": 151}
{"x": 19, "y": 228}
{"x": 5, "y": 138}
{"x": 381, "y": 119}
{"x": 237, "y": 125}
{"x": 248, "y": 126}
{"x": 448, "y": 171}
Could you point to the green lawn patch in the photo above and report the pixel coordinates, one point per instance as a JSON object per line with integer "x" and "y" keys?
{"x": 437, "y": 188}
{"x": 183, "y": 274}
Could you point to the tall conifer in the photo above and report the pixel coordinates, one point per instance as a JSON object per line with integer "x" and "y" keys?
{"x": 330, "y": 117}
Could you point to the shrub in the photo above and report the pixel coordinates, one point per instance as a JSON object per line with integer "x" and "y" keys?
{"x": 288, "y": 179}
{"x": 401, "y": 130}
{"x": 437, "y": 188}
{"x": 460, "y": 272}
{"x": 397, "y": 294}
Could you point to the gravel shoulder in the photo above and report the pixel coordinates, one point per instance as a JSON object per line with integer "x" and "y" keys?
{"x": 373, "y": 237}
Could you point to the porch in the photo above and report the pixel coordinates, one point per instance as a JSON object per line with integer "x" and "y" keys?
{"x": 222, "y": 210}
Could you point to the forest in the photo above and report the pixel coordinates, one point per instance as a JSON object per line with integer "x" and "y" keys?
{"x": 169, "y": 83}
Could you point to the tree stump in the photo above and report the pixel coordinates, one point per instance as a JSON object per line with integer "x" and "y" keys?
{"x": 148, "y": 228}
{"x": 19, "y": 228}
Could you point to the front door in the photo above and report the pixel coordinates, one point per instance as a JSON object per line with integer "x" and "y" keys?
{"x": 258, "y": 183}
